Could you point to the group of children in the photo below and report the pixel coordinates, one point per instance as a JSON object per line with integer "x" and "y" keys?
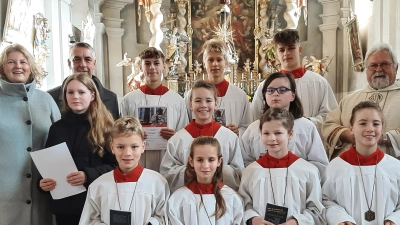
{"x": 274, "y": 172}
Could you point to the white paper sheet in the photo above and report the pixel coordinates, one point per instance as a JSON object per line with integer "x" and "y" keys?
{"x": 56, "y": 163}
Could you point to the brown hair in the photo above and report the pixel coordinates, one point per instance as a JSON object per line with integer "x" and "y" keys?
{"x": 206, "y": 85}
{"x": 152, "y": 52}
{"x": 295, "y": 107}
{"x": 366, "y": 105}
{"x": 282, "y": 115}
{"x": 190, "y": 173}
{"x": 127, "y": 126}
{"x": 36, "y": 72}
{"x": 286, "y": 37}
{"x": 99, "y": 117}
{"x": 215, "y": 45}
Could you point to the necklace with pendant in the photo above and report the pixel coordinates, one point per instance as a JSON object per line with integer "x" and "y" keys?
{"x": 368, "y": 215}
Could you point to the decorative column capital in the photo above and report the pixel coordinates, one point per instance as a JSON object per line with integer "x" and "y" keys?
{"x": 116, "y": 4}
{"x": 114, "y": 32}
{"x": 328, "y": 27}
{"x": 100, "y": 28}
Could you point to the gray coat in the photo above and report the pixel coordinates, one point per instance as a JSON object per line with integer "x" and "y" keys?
{"x": 25, "y": 118}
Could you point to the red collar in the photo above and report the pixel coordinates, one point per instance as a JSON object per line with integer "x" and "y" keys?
{"x": 133, "y": 176}
{"x": 160, "y": 90}
{"x": 297, "y": 73}
{"x": 283, "y": 162}
{"x": 196, "y": 130}
{"x": 205, "y": 189}
{"x": 350, "y": 156}
{"x": 222, "y": 88}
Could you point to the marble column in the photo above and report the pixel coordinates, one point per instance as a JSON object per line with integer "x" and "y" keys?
{"x": 330, "y": 18}
{"x": 385, "y": 25}
{"x": 98, "y": 40}
{"x": 112, "y": 20}
{"x": 345, "y": 57}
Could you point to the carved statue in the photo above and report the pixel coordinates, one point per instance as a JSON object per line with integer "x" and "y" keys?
{"x": 175, "y": 38}
{"x": 40, "y": 48}
{"x": 135, "y": 78}
{"x": 88, "y": 30}
{"x": 155, "y": 28}
{"x": 319, "y": 66}
{"x": 197, "y": 68}
{"x": 247, "y": 65}
{"x": 293, "y": 12}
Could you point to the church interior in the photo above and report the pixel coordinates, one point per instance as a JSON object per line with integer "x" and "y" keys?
{"x": 334, "y": 34}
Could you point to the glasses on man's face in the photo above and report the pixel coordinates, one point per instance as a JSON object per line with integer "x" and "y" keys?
{"x": 374, "y": 66}
{"x": 280, "y": 90}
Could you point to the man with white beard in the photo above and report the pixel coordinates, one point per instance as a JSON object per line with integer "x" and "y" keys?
{"x": 381, "y": 67}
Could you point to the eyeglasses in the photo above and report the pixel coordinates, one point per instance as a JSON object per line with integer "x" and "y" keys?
{"x": 374, "y": 66}
{"x": 280, "y": 90}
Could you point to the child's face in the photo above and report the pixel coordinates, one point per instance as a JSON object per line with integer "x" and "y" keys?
{"x": 276, "y": 100}
{"x": 275, "y": 138}
{"x": 205, "y": 162}
{"x": 289, "y": 56}
{"x": 202, "y": 105}
{"x": 367, "y": 128}
{"x": 214, "y": 63}
{"x": 152, "y": 69}
{"x": 78, "y": 97}
{"x": 127, "y": 151}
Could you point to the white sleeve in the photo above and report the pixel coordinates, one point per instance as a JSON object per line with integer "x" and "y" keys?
{"x": 246, "y": 117}
{"x": 91, "y": 213}
{"x": 247, "y": 147}
{"x": 159, "y": 217}
{"x": 172, "y": 168}
{"x": 124, "y": 108}
{"x": 258, "y": 103}
{"x": 233, "y": 170}
{"x": 173, "y": 214}
{"x": 395, "y": 215}
{"x": 328, "y": 104}
{"x": 334, "y": 213}
{"x": 312, "y": 214}
{"x": 238, "y": 212}
{"x": 183, "y": 119}
{"x": 244, "y": 192}
{"x": 316, "y": 153}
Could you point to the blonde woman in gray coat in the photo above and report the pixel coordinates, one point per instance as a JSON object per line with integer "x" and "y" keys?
{"x": 26, "y": 114}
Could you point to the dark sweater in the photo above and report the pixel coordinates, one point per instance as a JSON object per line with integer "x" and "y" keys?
{"x": 73, "y": 129}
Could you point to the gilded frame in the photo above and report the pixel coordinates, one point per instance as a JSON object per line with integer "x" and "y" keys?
{"x": 198, "y": 23}
{"x": 355, "y": 45}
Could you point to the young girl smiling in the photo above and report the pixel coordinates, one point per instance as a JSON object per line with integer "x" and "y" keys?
{"x": 205, "y": 199}
{"x": 280, "y": 179}
{"x": 203, "y": 100}
{"x": 362, "y": 184}
{"x": 130, "y": 191}
{"x": 279, "y": 91}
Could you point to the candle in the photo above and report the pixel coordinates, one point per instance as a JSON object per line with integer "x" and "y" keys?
{"x": 251, "y": 75}
{"x": 242, "y": 76}
{"x": 259, "y": 76}
{"x": 203, "y": 76}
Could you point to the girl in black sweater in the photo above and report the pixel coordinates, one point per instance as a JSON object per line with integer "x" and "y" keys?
{"x": 84, "y": 127}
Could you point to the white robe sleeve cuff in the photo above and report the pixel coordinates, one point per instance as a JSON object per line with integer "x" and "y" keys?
{"x": 394, "y": 145}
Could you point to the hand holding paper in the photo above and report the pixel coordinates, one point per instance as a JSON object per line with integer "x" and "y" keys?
{"x": 47, "y": 184}
{"x": 56, "y": 163}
